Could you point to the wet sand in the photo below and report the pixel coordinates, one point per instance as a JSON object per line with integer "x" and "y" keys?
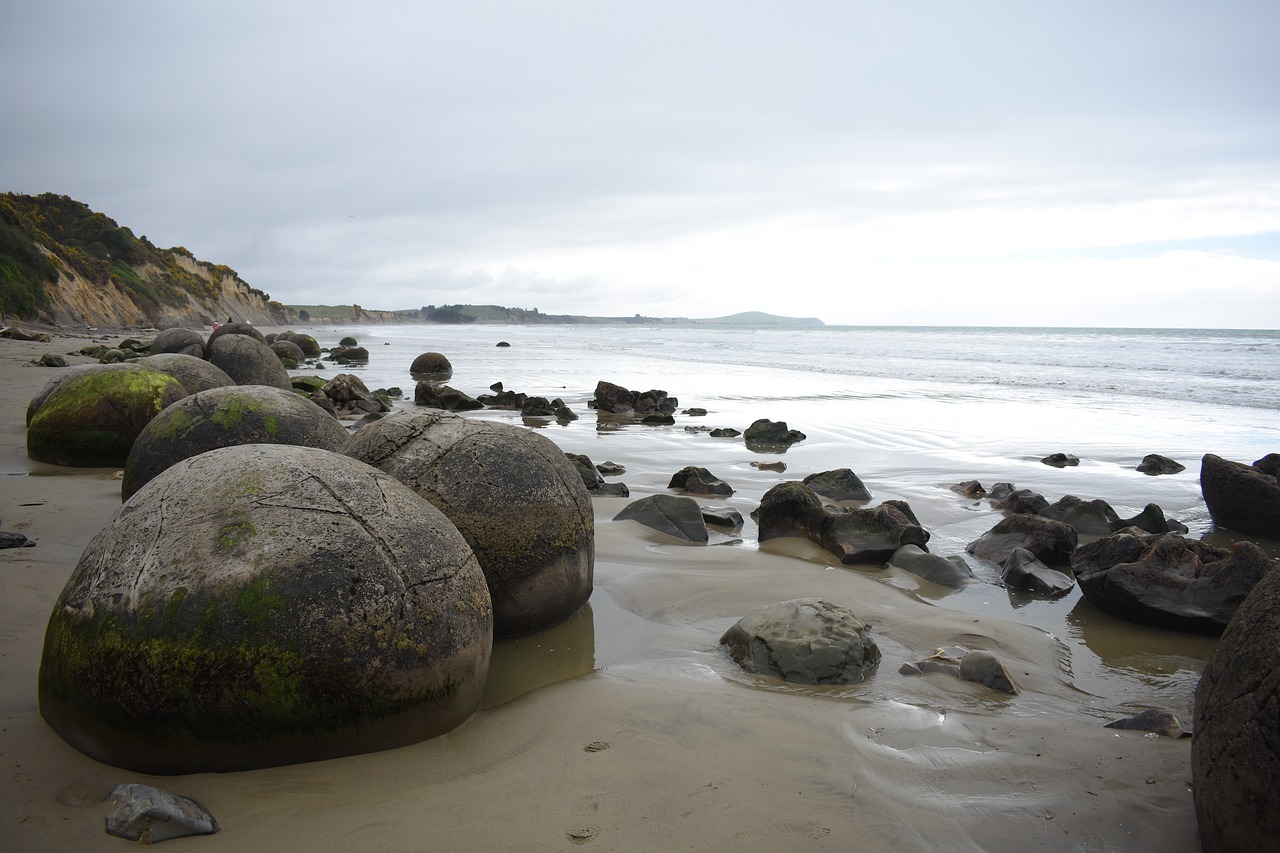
{"x": 628, "y": 728}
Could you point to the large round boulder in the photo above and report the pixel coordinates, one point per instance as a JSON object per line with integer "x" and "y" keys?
{"x": 233, "y": 328}
{"x": 512, "y": 493}
{"x": 248, "y": 361}
{"x": 185, "y": 341}
{"x": 62, "y": 376}
{"x": 433, "y": 365}
{"x": 1235, "y": 754}
{"x": 287, "y": 351}
{"x": 193, "y": 372}
{"x": 224, "y": 417}
{"x": 262, "y": 605}
{"x": 92, "y": 419}
{"x": 804, "y": 641}
{"x": 310, "y": 346}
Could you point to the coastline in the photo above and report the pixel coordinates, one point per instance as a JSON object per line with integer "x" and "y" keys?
{"x": 698, "y": 753}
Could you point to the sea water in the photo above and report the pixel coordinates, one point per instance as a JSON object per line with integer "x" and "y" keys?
{"x": 911, "y": 411}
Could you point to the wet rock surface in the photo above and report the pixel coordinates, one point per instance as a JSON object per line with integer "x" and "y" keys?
{"x": 804, "y": 641}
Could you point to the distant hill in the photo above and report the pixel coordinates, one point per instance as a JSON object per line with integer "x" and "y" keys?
{"x": 61, "y": 264}
{"x": 760, "y": 320}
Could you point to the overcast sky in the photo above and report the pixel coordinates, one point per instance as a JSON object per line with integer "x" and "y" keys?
{"x": 1107, "y": 163}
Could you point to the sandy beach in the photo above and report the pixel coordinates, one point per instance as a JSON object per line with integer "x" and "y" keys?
{"x": 628, "y": 728}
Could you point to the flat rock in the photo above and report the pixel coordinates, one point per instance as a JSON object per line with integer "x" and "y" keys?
{"x": 804, "y": 641}
{"x": 673, "y": 515}
{"x": 150, "y": 815}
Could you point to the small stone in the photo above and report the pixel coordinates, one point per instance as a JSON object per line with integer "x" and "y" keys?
{"x": 149, "y": 815}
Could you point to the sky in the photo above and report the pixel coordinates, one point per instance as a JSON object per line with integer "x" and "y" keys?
{"x": 905, "y": 162}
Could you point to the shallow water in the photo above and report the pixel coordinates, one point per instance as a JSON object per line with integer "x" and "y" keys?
{"x": 911, "y": 411}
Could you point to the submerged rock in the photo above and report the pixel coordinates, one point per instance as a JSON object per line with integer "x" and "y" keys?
{"x": 1052, "y": 542}
{"x": 945, "y": 571}
{"x": 855, "y": 535}
{"x": 1089, "y": 518}
{"x": 623, "y": 401}
{"x": 1164, "y": 723}
{"x": 1154, "y": 464}
{"x": 978, "y": 667}
{"x": 150, "y": 815}
{"x": 838, "y": 485}
{"x": 970, "y": 489}
{"x": 804, "y": 641}
{"x": 1060, "y": 460}
{"x": 1021, "y": 570}
{"x": 444, "y": 397}
{"x": 673, "y": 515}
{"x": 765, "y": 433}
{"x": 699, "y": 481}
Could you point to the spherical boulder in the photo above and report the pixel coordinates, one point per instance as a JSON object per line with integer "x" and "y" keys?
{"x": 185, "y": 341}
{"x": 223, "y": 417}
{"x": 193, "y": 372}
{"x": 1235, "y": 753}
{"x": 310, "y": 346}
{"x": 262, "y": 605}
{"x": 91, "y": 419}
{"x": 288, "y": 351}
{"x": 248, "y": 361}
{"x": 512, "y": 493}
{"x": 62, "y": 376}
{"x": 233, "y": 328}
{"x": 432, "y": 364}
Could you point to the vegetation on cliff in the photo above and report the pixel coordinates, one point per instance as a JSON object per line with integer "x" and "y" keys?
{"x": 49, "y": 238}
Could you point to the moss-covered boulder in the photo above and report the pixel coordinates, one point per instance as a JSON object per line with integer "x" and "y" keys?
{"x": 92, "y": 419}
{"x": 310, "y": 346}
{"x": 193, "y": 372}
{"x": 512, "y": 493}
{"x": 288, "y": 351}
{"x": 224, "y": 417}
{"x": 263, "y": 605}
{"x": 64, "y": 375}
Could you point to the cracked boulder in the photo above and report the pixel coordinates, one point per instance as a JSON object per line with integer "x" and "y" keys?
{"x": 512, "y": 493}
{"x": 262, "y": 605}
{"x": 804, "y": 641}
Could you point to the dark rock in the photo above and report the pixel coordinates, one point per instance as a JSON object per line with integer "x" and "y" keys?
{"x": 944, "y": 571}
{"x": 699, "y": 481}
{"x": 838, "y": 485}
{"x": 512, "y": 493}
{"x": 502, "y": 344}
{"x": 1164, "y": 723}
{"x": 114, "y": 356}
{"x": 722, "y": 516}
{"x": 349, "y": 355}
{"x": 986, "y": 669}
{"x": 770, "y": 466}
{"x": 695, "y": 412}
{"x": 1154, "y": 464}
{"x": 248, "y": 361}
{"x": 1235, "y": 754}
{"x": 789, "y": 509}
{"x": 92, "y": 419}
{"x": 724, "y": 432}
{"x": 586, "y": 470}
{"x": 348, "y": 341}
{"x": 1240, "y": 497}
{"x": 51, "y": 360}
{"x": 1089, "y": 518}
{"x": 351, "y": 397}
{"x": 1001, "y": 491}
{"x": 1018, "y": 501}
{"x": 612, "y": 490}
{"x": 288, "y": 351}
{"x": 433, "y": 365}
{"x": 1269, "y": 464}
{"x": 1021, "y": 570}
{"x": 970, "y": 489}
{"x": 1050, "y": 541}
{"x": 767, "y": 433}
{"x": 1152, "y": 520}
{"x": 804, "y": 641}
{"x": 619, "y": 400}
{"x": 673, "y": 515}
{"x": 1169, "y": 581}
{"x": 262, "y": 605}
{"x": 658, "y": 420}
{"x": 564, "y": 414}
{"x": 1060, "y": 460}
{"x": 870, "y": 535}
{"x": 611, "y": 469}
{"x": 149, "y": 815}
{"x": 537, "y": 407}
{"x": 310, "y": 346}
{"x": 224, "y": 417}
{"x": 496, "y": 387}
{"x": 243, "y": 329}
{"x": 508, "y": 400}
{"x": 15, "y": 540}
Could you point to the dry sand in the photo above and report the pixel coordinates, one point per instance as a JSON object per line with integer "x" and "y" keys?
{"x": 627, "y": 728}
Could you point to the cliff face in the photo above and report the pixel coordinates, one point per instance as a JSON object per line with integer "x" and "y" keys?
{"x": 63, "y": 264}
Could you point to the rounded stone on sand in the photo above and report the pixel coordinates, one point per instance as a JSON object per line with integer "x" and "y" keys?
{"x": 804, "y": 641}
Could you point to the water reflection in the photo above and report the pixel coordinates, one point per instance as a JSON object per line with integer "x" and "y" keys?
{"x": 1139, "y": 649}
{"x": 522, "y": 664}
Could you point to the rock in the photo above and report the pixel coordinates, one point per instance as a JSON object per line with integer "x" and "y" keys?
{"x": 986, "y": 669}
{"x": 1164, "y": 723}
{"x": 695, "y": 412}
{"x": 970, "y": 489}
{"x": 673, "y": 515}
{"x": 224, "y": 417}
{"x": 722, "y": 516}
{"x": 767, "y": 433}
{"x": 432, "y": 365}
{"x": 564, "y": 415}
{"x": 537, "y": 407}
{"x": 612, "y": 490}
{"x": 1089, "y": 518}
{"x": 1060, "y": 460}
{"x": 944, "y": 571}
{"x": 351, "y": 397}
{"x": 838, "y": 485}
{"x": 62, "y": 376}
{"x": 770, "y": 466}
{"x": 804, "y": 641}
{"x": 1001, "y": 491}
{"x": 1269, "y": 464}
{"x": 51, "y": 360}
{"x": 611, "y": 469}
{"x": 1152, "y": 520}
{"x": 18, "y": 333}
{"x": 248, "y": 361}
{"x": 1154, "y": 464}
{"x": 513, "y": 495}
{"x": 502, "y": 344}
{"x": 348, "y": 341}
{"x": 242, "y": 329}
{"x": 855, "y": 535}
{"x": 1169, "y": 581}
{"x": 262, "y": 605}
{"x": 149, "y": 815}
{"x": 92, "y": 419}
{"x": 699, "y": 481}
{"x": 444, "y": 397}
{"x": 591, "y": 478}
{"x": 658, "y": 420}
{"x": 724, "y": 432}
{"x": 183, "y": 341}
{"x": 114, "y": 356}
{"x": 193, "y": 372}
{"x": 1050, "y": 541}
{"x": 1018, "y": 501}
{"x": 1021, "y": 570}
{"x": 349, "y": 355}
{"x": 1235, "y": 754}
{"x": 288, "y": 352}
{"x": 1240, "y": 497}
{"x": 15, "y": 540}
{"x": 619, "y": 400}
{"x": 310, "y": 346}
